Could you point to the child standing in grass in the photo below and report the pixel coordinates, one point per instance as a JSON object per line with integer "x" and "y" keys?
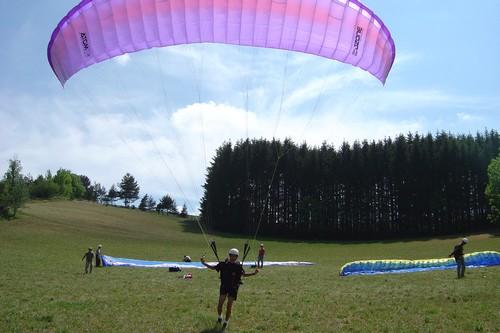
{"x": 89, "y": 257}
{"x": 231, "y": 272}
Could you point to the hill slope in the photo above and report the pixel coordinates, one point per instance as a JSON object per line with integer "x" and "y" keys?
{"x": 42, "y": 288}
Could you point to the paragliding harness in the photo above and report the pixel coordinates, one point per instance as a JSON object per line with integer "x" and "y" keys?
{"x": 214, "y": 249}
{"x": 246, "y": 250}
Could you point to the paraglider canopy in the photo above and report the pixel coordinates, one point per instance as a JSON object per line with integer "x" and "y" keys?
{"x": 343, "y": 30}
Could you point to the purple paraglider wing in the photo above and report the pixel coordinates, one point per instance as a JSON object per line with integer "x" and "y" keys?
{"x": 343, "y": 30}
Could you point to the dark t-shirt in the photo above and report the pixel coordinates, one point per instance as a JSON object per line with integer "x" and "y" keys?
{"x": 230, "y": 273}
{"x": 458, "y": 251}
{"x": 89, "y": 256}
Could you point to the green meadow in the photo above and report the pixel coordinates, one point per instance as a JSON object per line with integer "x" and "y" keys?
{"x": 43, "y": 288}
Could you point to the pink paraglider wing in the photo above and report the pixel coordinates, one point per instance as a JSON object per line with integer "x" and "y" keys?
{"x": 343, "y": 30}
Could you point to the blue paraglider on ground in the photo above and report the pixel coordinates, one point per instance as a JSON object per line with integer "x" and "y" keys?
{"x": 371, "y": 267}
{"x": 125, "y": 262}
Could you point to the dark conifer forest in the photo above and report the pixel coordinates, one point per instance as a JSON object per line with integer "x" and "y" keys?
{"x": 412, "y": 185}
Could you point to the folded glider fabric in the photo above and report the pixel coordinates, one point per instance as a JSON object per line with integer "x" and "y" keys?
{"x": 370, "y": 267}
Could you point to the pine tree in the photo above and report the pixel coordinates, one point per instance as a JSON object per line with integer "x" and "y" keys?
{"x": 151, "y": 203}
{"x": 129, "y": 189}
{"x": 168, "y": 205}
{"x": 144, "y": 202}
{"x": 184, "y": 211}
{"x": 113, "y": 194}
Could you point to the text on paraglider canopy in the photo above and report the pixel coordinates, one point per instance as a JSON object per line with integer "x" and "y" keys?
{"x": 357, "y": 39}
{"x": 85, "y": 44}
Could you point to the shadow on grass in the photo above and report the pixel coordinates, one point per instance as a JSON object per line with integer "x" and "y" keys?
{"x": 212, "y": 330}
{"x": 191, "y": 226}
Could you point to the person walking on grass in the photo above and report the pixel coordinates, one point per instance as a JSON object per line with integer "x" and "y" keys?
{"x": 231, "y": 272}
{"x": 98, "y": 256}
{"x": 458, "y": 253}
{"x": 89, "y": 257}
{"x": 260, "y": 257}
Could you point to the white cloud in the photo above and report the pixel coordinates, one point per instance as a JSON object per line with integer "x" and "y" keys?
{"x": 467, "y": 116}
{"x": 405, "y": 57}
{"x": 122, "y": 60}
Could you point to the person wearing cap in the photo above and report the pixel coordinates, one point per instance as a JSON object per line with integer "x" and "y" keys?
{"x": 458, "y": 253}
{"x": 260, "y": 257}
{"x": 89, "y": 257}
{"x": 98, "y": 256}
{"x": 187, "y": 259}
{"x": 231, "y": 271}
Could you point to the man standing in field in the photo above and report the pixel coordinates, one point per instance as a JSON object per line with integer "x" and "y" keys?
{"x": 231, "y": 272}
{"x": 260, "y": 257}
{"x": 89, "y": 257}
{"x": 458, "y": 253}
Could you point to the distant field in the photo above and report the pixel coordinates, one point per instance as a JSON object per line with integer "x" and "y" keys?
{"x": 43, "y": 288}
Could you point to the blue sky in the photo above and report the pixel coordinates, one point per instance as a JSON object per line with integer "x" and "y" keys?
{"x": 160, "y": 114}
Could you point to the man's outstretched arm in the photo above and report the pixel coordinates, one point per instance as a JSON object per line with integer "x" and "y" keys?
{"x": 204, "y": 262}
{"x": 251, "y": 274}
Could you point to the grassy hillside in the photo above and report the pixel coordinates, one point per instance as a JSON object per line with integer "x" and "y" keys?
{"x": 42, "y": 288}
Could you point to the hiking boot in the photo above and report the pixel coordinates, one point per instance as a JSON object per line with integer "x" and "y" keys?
{"x": 224, "y": 326}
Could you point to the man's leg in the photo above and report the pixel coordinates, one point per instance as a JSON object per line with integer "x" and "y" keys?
{"x": 230, "y": 300}
{"x": 229, "y": 308}
{"x": 222, "y": 299}
{"x": 90, "y": 266}
{"x": 86, "y": 267}
{"x": 462, "y": 267}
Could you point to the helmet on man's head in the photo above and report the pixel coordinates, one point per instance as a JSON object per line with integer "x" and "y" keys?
{"x": 465, "y": 240}
{"x": 234, "y": 252}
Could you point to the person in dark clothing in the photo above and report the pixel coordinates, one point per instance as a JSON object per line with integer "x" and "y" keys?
{"x": 89, "y": 257}
{"x": 458, "y": 254}
{"x": 98, "y": 256}
{"x": 231, "y": 272}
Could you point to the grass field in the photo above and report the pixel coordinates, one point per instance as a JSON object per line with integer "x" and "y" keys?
{"x": 43, "y": 288}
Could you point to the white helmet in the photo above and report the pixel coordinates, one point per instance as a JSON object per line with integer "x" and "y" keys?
{"x": 465, "y": 240}
{"x": 234, "y": 252}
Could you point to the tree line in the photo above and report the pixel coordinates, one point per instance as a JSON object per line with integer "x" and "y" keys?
{"x": 412, "y": 185}
{"x": 16, "y": 189}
